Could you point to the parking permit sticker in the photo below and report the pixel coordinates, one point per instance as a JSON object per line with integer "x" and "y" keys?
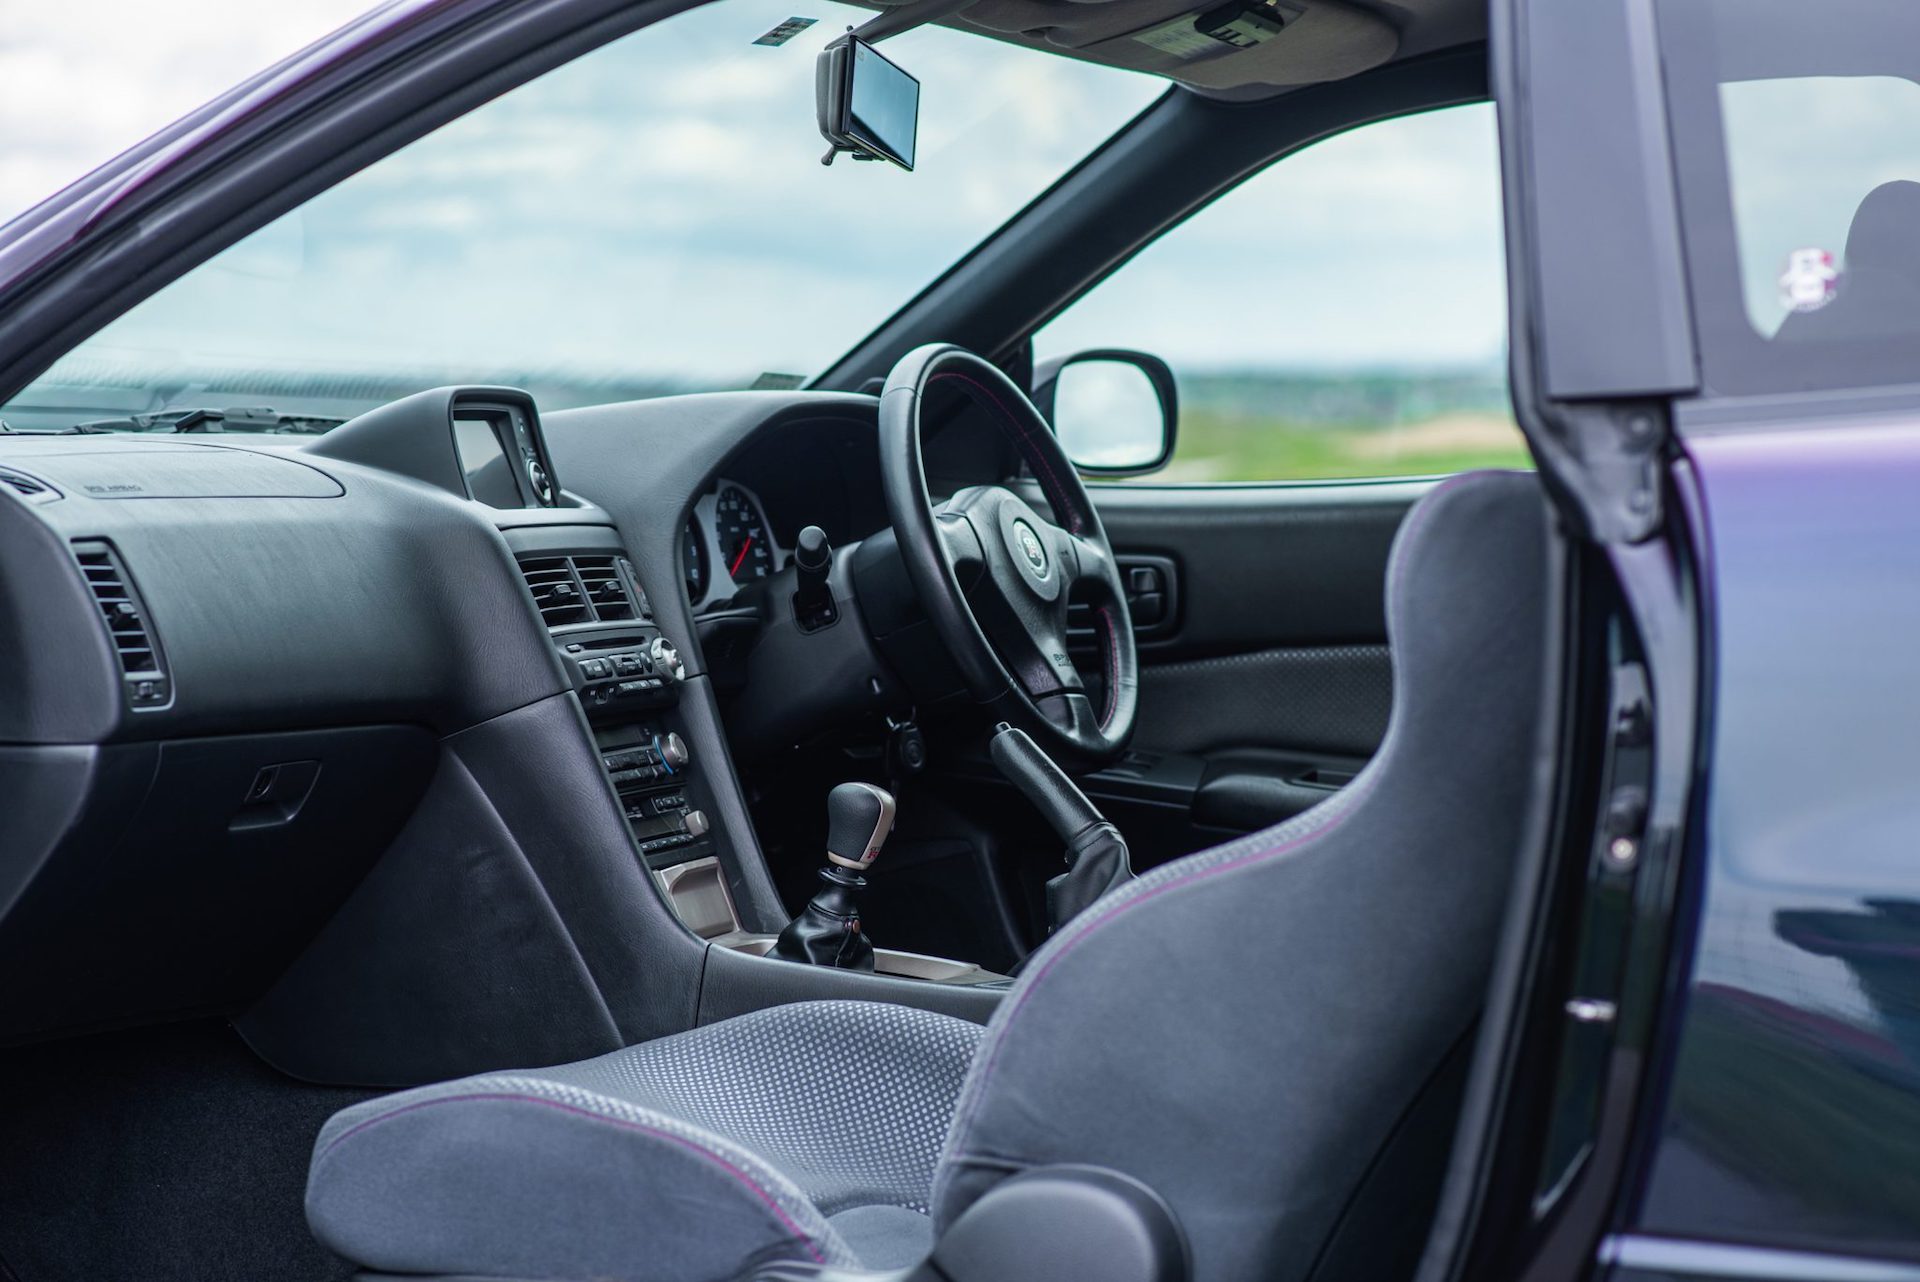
{"x": 785, "y": 32}
{"x": 1181, "y": 38}
{"x": 1810, "y": 281}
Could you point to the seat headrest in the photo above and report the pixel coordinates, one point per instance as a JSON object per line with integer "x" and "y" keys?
{"x": 1464, "y": 596}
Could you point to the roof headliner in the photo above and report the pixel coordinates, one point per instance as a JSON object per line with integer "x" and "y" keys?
{"x": 1327, "y": 40}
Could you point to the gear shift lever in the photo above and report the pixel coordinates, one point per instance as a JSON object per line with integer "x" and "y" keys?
{"x": 827, "y": 931}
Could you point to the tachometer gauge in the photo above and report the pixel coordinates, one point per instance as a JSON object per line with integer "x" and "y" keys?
{"x": 746, "y": 546}
{"x": 693, "y": 560}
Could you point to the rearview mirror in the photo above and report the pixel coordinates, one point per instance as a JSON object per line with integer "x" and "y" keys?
{"x": 867, "y": 107}
{"x": 1115, "y": 412}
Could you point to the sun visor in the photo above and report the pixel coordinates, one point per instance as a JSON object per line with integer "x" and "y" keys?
{"x": 1212, "y": 47}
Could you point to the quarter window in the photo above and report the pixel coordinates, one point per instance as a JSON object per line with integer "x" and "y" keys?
{"x": 1797, "y": 147}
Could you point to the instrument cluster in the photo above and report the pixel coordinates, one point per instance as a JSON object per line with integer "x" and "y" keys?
{"x": 728, "y": 544}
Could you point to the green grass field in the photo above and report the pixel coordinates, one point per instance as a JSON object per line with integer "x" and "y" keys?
{"x": 1217, "y": 446}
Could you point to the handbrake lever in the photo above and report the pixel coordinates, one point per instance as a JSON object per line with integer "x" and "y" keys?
{"x": 1096, "y": 852}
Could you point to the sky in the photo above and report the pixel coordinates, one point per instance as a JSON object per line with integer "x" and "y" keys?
{"x": 81, "y": 82}
{"x": 658, "y": 208}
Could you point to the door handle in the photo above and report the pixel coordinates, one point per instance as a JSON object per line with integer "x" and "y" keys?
{"x": 1152, "y": 585}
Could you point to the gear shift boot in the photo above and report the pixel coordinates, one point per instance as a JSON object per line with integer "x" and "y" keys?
{"x": 827, "y": 931}
{"x": 1097, "y": 859}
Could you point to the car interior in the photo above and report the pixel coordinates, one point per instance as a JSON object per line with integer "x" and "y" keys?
{"x": 831, "y": 830}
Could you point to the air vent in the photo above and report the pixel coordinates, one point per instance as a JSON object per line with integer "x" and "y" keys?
{"x": 606, "y": 590}
{"x": 134, "y": 640}
{"x": 556, "y": 591}
{"x": 582, "y": 589}
{"x": 29, "y": 488}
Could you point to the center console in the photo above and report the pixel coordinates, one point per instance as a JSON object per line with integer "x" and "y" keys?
{"x": 627, "y": 676}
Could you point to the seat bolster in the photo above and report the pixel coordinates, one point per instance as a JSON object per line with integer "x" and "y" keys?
{"x": 520, "y": 1176}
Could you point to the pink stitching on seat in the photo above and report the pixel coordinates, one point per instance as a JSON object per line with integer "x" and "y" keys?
{"x": 511, "y": 1097}
{"x": 963, "y": 1125}
{"x": 1088, "y": 924}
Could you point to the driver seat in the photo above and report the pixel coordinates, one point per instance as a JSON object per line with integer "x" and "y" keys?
{"x": 1269, "y": 1034}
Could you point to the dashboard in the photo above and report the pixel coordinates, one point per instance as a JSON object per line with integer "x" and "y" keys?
{"x": 245, "y": 670}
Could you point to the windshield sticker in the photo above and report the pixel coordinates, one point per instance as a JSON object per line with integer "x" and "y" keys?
{"x": 1810, "y": 281}
{"x": 785, "y": 32}
{"x": 777, "y": 382}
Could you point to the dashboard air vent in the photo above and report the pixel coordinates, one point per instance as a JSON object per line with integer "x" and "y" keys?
{"x": 582, "y": 589}
{"x": 606, "y": 590}
{"x": 556, "y": 591}
{"x": 29, "y": 488}
{"x": 132, "y": 634}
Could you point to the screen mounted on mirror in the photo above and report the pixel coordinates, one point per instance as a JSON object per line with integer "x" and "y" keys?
{"x": 868, "y": 107}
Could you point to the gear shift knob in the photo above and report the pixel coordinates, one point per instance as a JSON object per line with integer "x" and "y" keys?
{"x": 827, "y": 931}
{"x": 859, "y": 817}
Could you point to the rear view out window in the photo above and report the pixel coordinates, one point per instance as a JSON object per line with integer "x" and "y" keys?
{"x": 1797, "y": 136}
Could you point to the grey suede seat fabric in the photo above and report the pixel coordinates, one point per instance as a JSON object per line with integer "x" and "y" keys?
{"x": 803, "y": 1132}
{"x": 1246, "y": 1030}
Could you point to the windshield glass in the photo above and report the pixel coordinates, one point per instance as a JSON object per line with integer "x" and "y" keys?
{"x": 651, "y": 218}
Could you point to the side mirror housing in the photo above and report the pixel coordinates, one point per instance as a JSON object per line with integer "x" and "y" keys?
{"x": 1115, "y": 411}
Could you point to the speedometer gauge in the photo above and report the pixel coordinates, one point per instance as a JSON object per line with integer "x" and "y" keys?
{"x": 746, "y": 546}
{"x": 693, "y": 560}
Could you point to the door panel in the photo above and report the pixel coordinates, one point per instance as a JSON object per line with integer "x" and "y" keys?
{"x": 1262, "y": 692}
{"x": 1273, "y": 675}
{"x": 1263, "y": 566}
{"x": 1265, "y": 685}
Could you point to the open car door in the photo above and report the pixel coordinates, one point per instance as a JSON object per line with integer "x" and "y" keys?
{"x": 1698, "y": 1062}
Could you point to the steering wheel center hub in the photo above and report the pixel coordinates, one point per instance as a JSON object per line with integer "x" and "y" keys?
{"x": 1031, "y": 560}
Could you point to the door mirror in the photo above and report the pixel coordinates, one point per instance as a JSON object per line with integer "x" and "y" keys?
{"x": 1114, "y": 411}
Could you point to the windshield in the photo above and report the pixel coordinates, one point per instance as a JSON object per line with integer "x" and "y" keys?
{"x": 651, "y": 218}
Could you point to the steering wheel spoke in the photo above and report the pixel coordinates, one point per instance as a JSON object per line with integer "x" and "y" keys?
{"x": 961, "y": 547}
{"x": 1092, "y": 560}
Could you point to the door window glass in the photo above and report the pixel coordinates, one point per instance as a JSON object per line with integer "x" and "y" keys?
{"x": 1341, "y": 314}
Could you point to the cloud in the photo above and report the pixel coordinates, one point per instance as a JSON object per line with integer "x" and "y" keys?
{"x": 658, "y": 208}
{"x": 80, "y": 83}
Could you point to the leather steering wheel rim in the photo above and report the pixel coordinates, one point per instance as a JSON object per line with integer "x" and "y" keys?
{"x": 1022, "y": 566}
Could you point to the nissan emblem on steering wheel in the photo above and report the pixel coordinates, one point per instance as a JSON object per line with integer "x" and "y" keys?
{"x": 1030, "y": 547}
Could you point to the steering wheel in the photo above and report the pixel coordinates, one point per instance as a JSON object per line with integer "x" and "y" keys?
{"x": 994, "y": 575}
